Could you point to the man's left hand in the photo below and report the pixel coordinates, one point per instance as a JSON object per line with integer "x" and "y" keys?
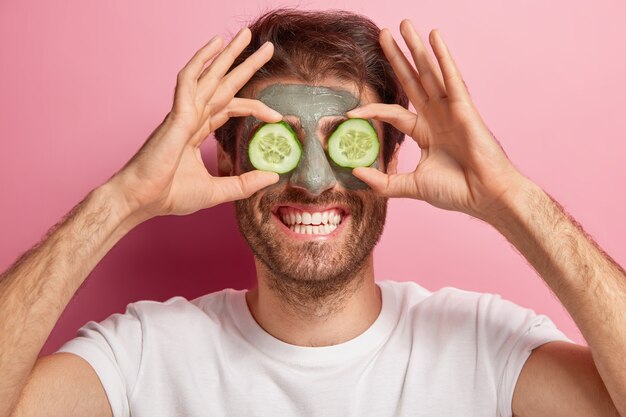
{"x": 462, "y": 165}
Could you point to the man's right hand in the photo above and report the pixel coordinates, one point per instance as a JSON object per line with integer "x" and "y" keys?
{"x": 167, "y": 175}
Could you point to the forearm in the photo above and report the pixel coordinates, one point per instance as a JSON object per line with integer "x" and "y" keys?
{"x": 590, "y": 284}
{"x": 36, "y": 289}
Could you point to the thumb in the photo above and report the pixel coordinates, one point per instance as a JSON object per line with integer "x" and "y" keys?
{"x": 378, "y": 181}
{"x": 387, "y": 185}
{"x": 244, "y": 185}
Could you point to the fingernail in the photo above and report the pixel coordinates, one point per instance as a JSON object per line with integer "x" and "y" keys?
{"x": 410, "y": 27}
{"x": 265, "y": 45}
{"x": 354, "y": 112}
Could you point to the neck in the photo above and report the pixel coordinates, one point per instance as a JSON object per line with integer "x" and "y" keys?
{"x": 336, "y": 318}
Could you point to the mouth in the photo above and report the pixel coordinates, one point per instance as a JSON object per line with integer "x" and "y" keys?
{"x": 310, "y": 222}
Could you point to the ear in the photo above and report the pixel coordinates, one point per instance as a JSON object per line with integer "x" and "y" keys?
{"x": 224, "y": 162}
{"x": 392, "y": 166}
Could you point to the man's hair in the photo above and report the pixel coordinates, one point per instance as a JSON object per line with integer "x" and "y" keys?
{"x": 312, "y": 45}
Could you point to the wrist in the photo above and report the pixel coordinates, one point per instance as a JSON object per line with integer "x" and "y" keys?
{"x": 125, "y": 216}
{"x": 523, "y": 198}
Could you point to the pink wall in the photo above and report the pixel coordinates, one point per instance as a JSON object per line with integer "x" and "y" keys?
{"x": 84, "y": 82}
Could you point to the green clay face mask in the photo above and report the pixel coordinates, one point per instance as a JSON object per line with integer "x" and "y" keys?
{"x": 309, "y": 104}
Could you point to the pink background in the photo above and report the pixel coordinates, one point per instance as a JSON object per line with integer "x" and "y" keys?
{"x": 83, "y": 83}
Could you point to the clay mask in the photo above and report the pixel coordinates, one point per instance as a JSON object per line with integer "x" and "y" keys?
{"x": 315, "y": 171}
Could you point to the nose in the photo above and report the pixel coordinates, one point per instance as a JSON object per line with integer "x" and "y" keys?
{"x": 313, "y": 173}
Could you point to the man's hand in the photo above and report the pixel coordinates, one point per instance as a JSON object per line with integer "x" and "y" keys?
{"x": 462, "y": 166}
{"x": 167, "y": 175}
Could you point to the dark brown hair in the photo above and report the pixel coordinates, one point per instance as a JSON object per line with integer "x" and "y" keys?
{"x": 311, "y": 45}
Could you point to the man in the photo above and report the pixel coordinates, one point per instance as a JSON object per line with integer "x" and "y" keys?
{"x": 318, "y": 336}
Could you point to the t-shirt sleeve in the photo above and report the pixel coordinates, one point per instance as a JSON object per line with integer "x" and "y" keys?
{"x": 113, "y": 348}
{"x": 510, "y": 333}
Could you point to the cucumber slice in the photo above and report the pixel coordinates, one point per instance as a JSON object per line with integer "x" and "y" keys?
{"x": 354, "y": 144}
{"x": 275, "y": 147}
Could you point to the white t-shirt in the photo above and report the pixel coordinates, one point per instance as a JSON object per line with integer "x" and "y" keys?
{"x": 446, "y": 353}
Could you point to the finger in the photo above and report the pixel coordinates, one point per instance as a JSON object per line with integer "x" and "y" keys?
{"x": 213, "y": 74}
{"x": 238, "y": 107}
{"x": 191, "y": 70}
{"x": 238, "y": 77}
{"x": 408, "y": 77}
{"x": 428, "y": 71}
{"x": 242, "y": 186}
{"x": 394, "y": 114}
{"x": 388, "y": 185}
{"x": 455, "y": 86}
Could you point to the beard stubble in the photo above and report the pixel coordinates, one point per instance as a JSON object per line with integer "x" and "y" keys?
{"x": 312, "y": 278}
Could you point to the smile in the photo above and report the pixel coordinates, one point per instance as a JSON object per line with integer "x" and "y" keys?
{"x": 312, "y": 221}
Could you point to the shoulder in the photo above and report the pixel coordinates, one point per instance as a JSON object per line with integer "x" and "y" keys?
{"x": 179, "y": 309}
{"x": 412, "y": 295}
{"x": 456, "y": 305}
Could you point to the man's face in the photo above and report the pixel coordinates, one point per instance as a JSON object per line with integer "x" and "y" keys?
{"x": 318, "y": 223}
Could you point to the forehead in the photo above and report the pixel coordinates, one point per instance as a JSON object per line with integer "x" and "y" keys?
{"x": 308, "y": 102}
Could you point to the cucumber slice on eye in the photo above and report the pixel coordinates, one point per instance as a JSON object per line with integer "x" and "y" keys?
{"x": 354, "y": 144}
{"x": 275, "y": 147}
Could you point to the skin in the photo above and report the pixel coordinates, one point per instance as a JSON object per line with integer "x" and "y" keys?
{"x": 166, "y": 176}
{"x": 462, "y": 167}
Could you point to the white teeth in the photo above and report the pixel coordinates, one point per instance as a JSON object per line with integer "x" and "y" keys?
{"x": 308, "y": 229}
{"x": 293, "y": 217}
